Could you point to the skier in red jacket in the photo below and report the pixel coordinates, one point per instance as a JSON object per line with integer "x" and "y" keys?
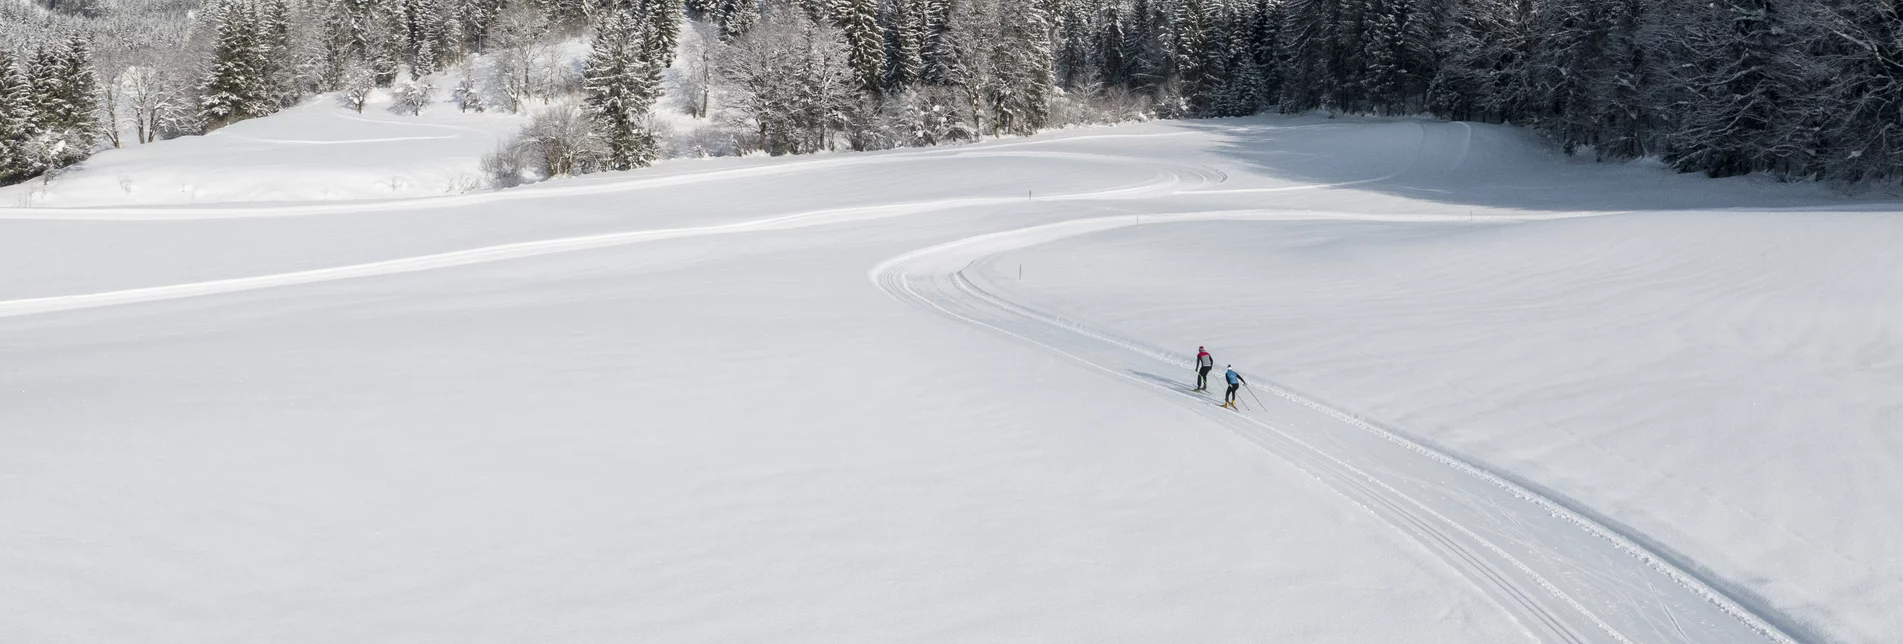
{"x": 1203, "y": 364}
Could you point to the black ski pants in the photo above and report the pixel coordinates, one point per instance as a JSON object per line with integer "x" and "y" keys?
{"x": 1202, "y": 377}
{"x": 1231, "y": 396}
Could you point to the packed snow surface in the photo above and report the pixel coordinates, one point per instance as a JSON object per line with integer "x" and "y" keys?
{"x": 939, "y": 395}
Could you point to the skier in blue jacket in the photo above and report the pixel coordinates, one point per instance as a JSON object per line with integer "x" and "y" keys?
{"x": 1235, "y": 382}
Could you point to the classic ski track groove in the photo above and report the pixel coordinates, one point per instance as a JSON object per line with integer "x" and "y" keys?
{"x": 1542, "y": 601}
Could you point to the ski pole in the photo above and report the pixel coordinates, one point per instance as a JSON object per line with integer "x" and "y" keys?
{"x": 1258, "y": 399}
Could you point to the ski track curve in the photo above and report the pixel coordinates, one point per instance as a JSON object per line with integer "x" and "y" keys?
{"x": 1566, "y": 577}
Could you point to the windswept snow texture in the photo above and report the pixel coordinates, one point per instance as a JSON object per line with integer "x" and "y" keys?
{"x": 667, "y": 406}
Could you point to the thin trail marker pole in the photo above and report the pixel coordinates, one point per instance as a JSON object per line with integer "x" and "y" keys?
{"x": 1020, "y": 272}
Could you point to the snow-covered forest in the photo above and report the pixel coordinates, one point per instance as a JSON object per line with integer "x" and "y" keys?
{"x": 1806, "y": 90}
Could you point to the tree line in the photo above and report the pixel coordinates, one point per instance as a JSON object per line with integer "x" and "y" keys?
{"x": 1804, "y": 89}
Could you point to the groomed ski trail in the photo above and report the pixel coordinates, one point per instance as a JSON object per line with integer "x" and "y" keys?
{"x": 1165, "y": 181}
{"x": 1565, "y": 577}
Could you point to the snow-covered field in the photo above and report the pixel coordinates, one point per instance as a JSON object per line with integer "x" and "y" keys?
{"x": 937, "y": 395}
{"x": 317, "y": 151}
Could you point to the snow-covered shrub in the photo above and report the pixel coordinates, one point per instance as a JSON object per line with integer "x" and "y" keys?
{"x": 704, "y": 139}
{"x": 505, "y": 166}
{"x": 358, "y": 83}
{"x": 411, "y": 96}
{"x": 943, "y": 116}
{"x": 462, "y": 183}
{"x": 562, "y": 141}
{"x": 556, "y": 142}
{"x": 879, "y": 125}
{"x": 1096, "y": 105}
{"x": 467, "y": 95}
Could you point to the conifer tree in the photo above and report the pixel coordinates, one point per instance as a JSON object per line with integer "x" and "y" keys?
{"x": 82, "y": 96}
{"x": 18, "y": 120}
{"x": 1146, "y": 54}
{"x": 47, "y": 73}
{"x": 1482, "y": 61}
{"x": 908, "y": 44}
{"x": 276, "y": 51}
{"x": 1265, "y": 37}
{"x": 236, "y": 86}
{"x": 1388, "y": 54}
{"x": 620, "y": 81}
{"x": 735, "y": 17}
{"x": 1110, "y": 45}
{"x": 1627, "y": 83}
{"x": 858, "y": 21}
{"x": 940, "y": 53}
{"x": 1019, "y": 90}
{"x": 662, "y": 19}
{"x": 1188, "y": 42}
{"x": 1073, "y": 39}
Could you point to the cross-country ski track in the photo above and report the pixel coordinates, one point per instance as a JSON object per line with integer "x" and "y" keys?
{"x": 1564, "y": 576}
{"x": 1564, "y": 571}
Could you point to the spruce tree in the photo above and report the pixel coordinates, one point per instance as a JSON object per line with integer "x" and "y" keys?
{"x": 1483, "y": 62}
{"x": 942, "y": 59}
{"x": 1628, "y": 106}
{"x": 82, "y": 96}
{"x": 52, "y": 110}
{"x": 1244, "y": 86}
{"x": 1188, "y": 42}
{"x": 1212, "y": 70}
{"x": 235, "y": 87}
{"x": 474, "y": 20}
{"x": 620, "y": 83}
{"x": 735, "y": 17}
{"x": 858, "y": 21}
{"x": 19, "y": 125}
{"x": 276, "y": 53}
{"x": 1322, "y": 50}
{"x": 1073, "y": 44}
{"x": 908, "y": 44}
{"x": 1265, "y": 39}
{"x": 662, "y": 19}
{"x": 1146, "y": 52}
{"x": 1020, "y": 88}
{"x": 1110, "y": 45}
{"x": 1388, "y": 53}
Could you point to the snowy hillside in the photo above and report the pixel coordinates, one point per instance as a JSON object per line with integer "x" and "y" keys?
{"x": 1497, "y": 395}
{"x": 317, "y": 151}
